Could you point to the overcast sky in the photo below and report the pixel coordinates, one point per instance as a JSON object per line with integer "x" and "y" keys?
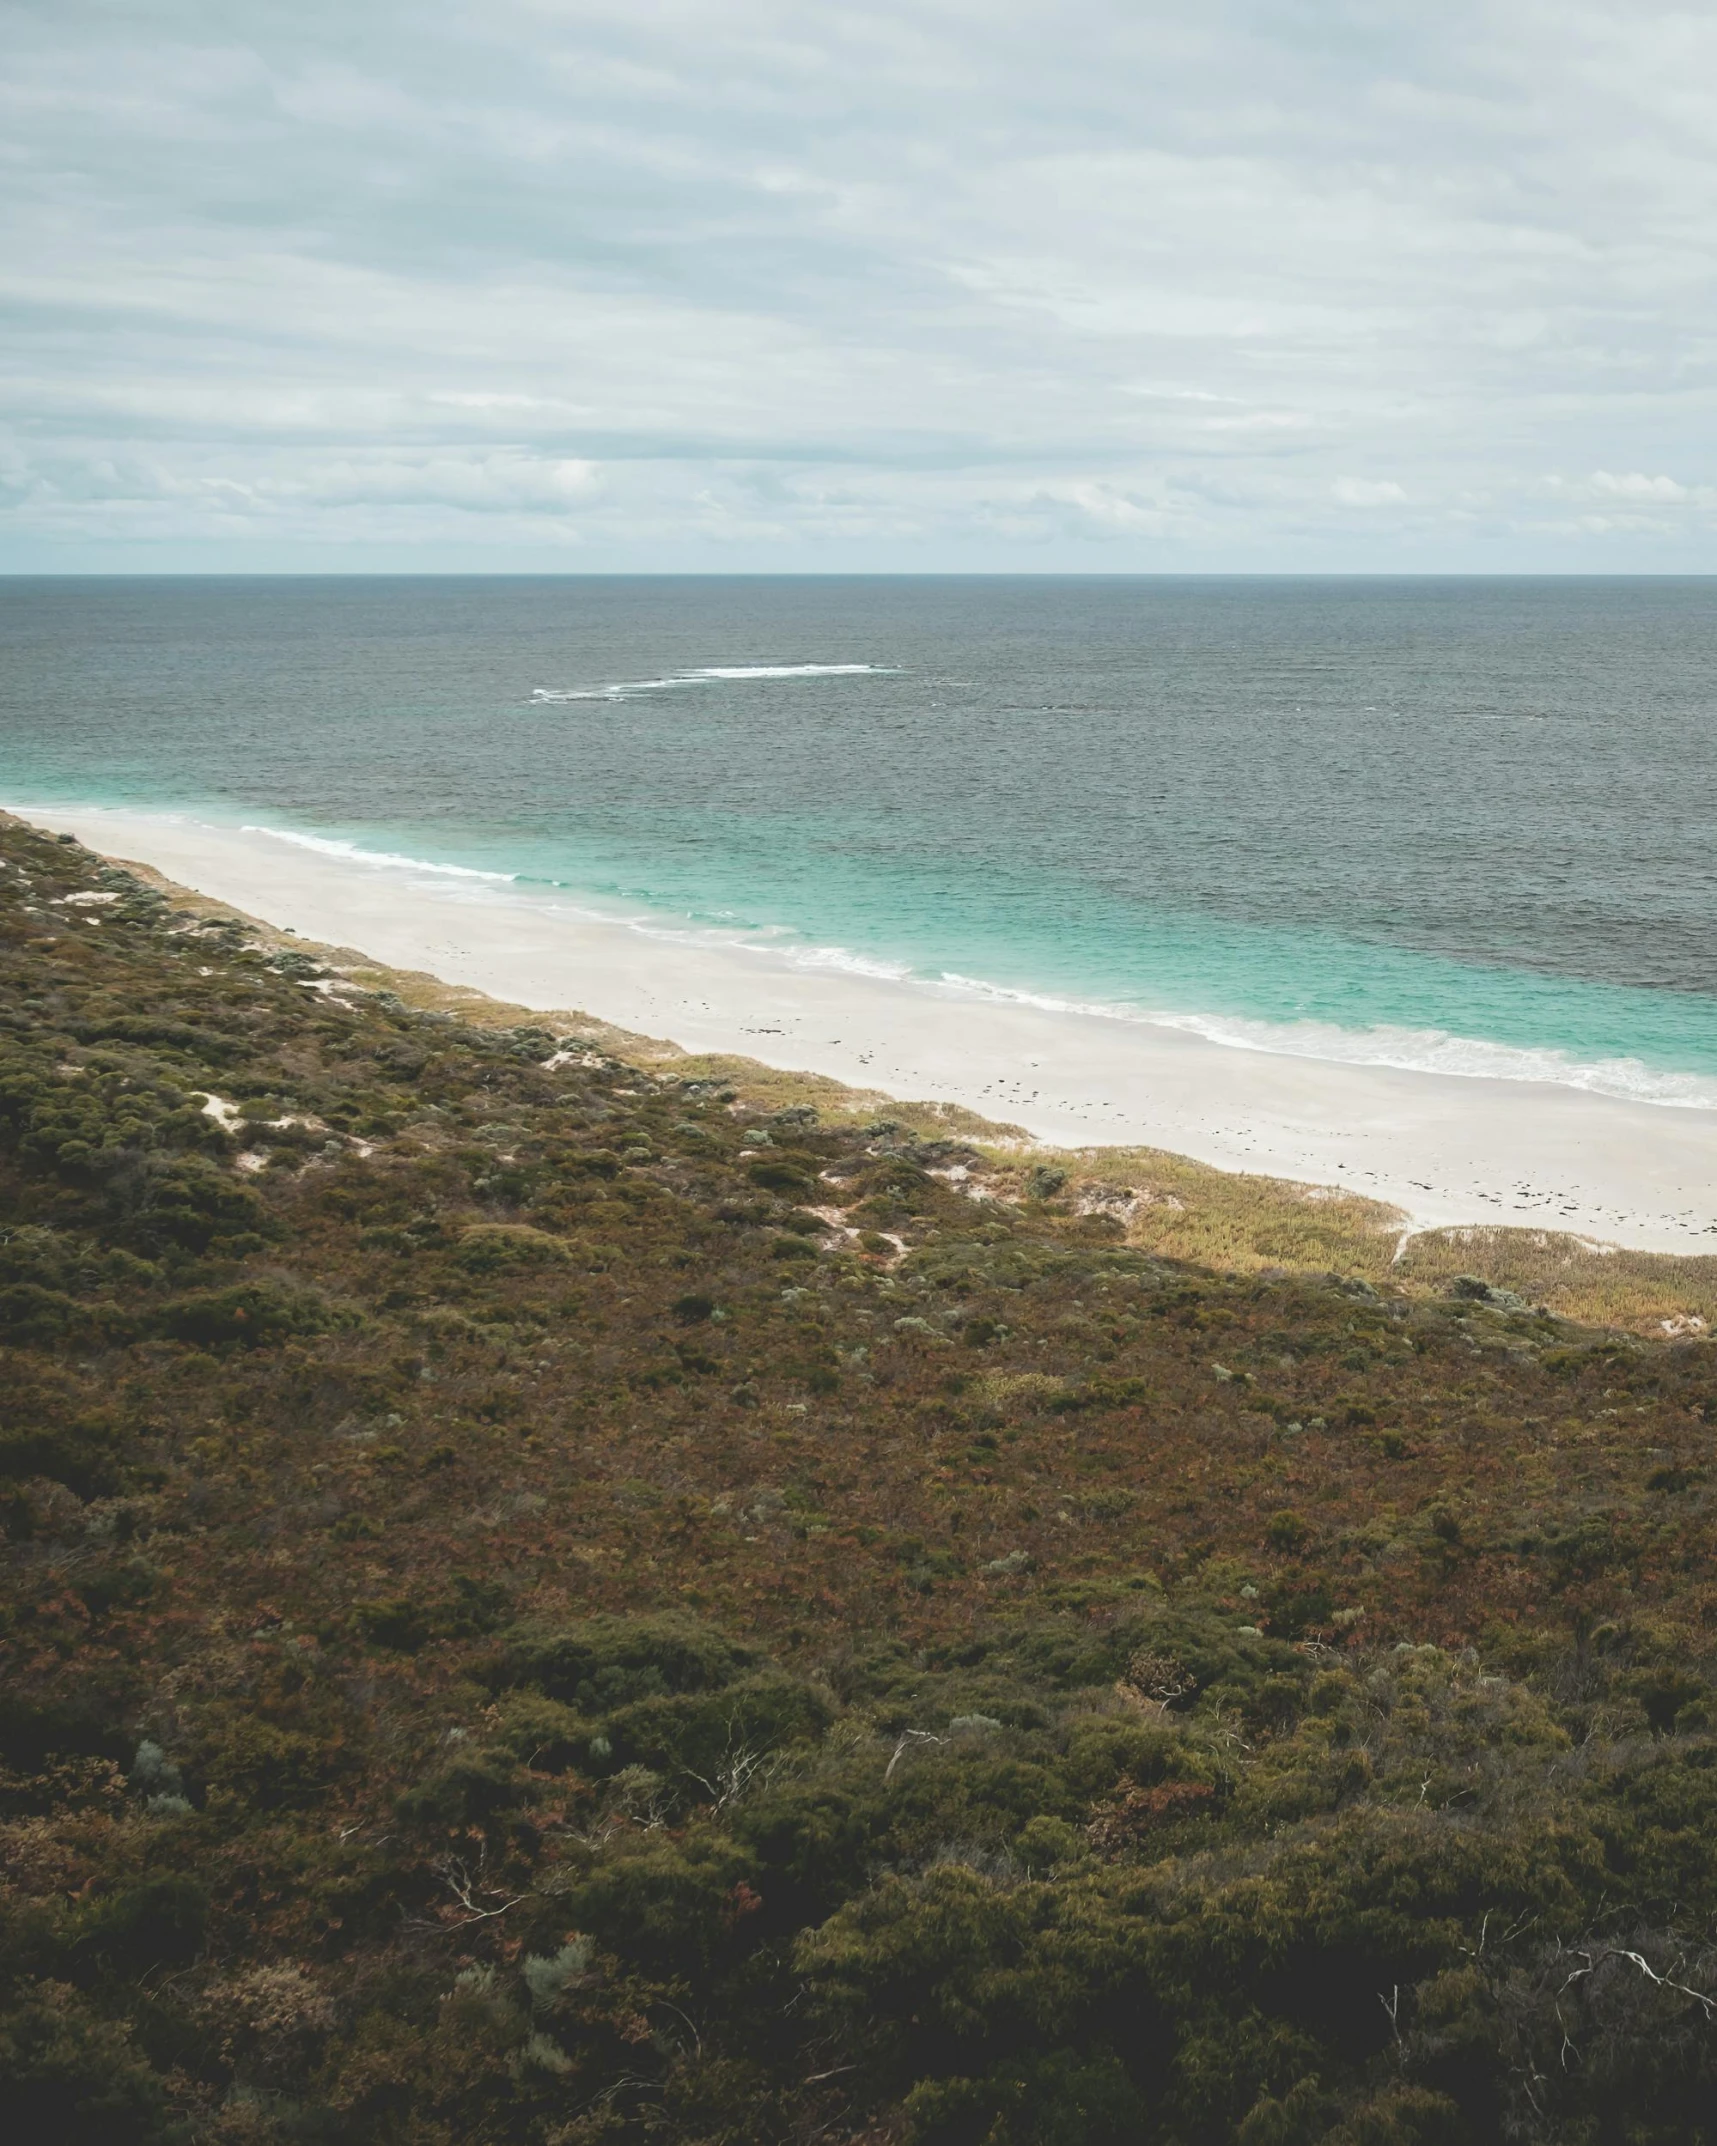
{"x": 1057, "y": 285}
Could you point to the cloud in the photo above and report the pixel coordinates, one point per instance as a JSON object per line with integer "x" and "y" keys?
{"x": 1367, "y": 492}
{"x": 157, "y": 495}
{"x": 1637, "y": 486}
{"x": 881, "y": 285}
{"x": 475, "y": 484}
{"x": 1094, "y": 509}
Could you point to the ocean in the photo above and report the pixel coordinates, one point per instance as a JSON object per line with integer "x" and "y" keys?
{"x": 1459, "y": 825}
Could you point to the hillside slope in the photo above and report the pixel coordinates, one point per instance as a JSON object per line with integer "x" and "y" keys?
{"x": 546, "y": 1604}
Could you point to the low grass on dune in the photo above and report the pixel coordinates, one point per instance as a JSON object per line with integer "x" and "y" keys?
{"x": 1243, "y": 1224}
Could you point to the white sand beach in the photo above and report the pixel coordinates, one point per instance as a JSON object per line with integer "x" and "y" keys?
{"x": 1445, "y": 1148}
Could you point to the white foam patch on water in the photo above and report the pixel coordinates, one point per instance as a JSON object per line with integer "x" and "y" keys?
{"x": 1408, "y": 1050}
{"x": 765, "y": 940}
{"x": 546, "y": 694}
{"x": 1430, "y": 1050}
{"x": 386, "y": 860}
{"x": 794, "y": 670}
{"x": 710, "y": 674}
{"x": 849, "y": 963}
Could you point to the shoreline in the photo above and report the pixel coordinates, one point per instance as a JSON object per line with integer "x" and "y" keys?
{"x": 1448, "y": 1150}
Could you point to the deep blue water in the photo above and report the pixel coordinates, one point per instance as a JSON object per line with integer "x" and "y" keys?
{"x": 1445, "y": 822}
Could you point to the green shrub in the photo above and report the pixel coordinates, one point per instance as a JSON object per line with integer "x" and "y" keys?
{"x": 1058, "y": 2098}
{"x": 250, "y": 1315}
{"x": 472, "y": 1784}
{"x": 85, "y": 1456}
{"x": 700, "y": 1737}
{"x": 614, "y": 1661}
{"x": 498, "y": 1247}
{"x": 72, "y": 2077}
{"x": 782, "y": 1175}
{"x": 161, "y": 1204}
{"x": 31, "y": 1315}
{"x": 155, "y": 1922}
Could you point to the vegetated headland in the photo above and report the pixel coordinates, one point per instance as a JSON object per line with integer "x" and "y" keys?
{"x": 558, "y": 1591}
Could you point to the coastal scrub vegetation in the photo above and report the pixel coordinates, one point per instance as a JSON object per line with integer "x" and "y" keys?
{"x": 554, "y": 1596}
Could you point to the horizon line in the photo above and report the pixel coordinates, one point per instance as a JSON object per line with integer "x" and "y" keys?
{"x": 10, "y": 574}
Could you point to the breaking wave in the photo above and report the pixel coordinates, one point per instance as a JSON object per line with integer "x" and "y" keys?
{"x": 1408, "y": 1050}
{"x": 389, "y": 860}
{"x": 707, "y": 675}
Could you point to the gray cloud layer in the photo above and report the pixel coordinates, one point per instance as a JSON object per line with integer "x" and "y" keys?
{"x": 1108, "y": 284}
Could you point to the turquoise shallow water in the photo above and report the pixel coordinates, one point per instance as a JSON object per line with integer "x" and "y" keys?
{"x": 1450, "y": 824}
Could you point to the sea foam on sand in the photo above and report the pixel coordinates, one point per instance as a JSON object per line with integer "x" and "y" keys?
{"x": 1446, "y": 1148}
